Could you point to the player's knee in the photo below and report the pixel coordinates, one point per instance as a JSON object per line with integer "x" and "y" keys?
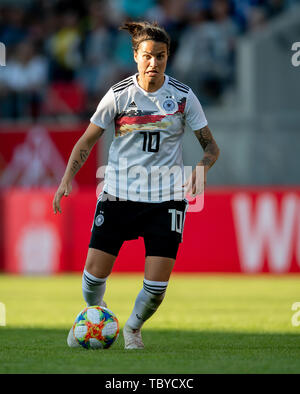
{"x": 99, "y": 263}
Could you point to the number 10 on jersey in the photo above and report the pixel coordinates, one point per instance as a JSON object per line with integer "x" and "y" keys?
{"x": 151, "y": 141}
{"x": 176, "y": 221}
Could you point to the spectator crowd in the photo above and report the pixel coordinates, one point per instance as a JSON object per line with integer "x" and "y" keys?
{"x": 62, "y": 56}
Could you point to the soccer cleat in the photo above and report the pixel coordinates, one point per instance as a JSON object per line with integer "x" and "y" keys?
{"x": 132, "y": 338}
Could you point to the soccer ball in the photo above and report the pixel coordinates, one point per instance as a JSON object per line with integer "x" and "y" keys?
{"x": 96, "y": 327}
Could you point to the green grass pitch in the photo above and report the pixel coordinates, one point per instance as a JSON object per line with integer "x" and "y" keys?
{"x": 206, "y": 324}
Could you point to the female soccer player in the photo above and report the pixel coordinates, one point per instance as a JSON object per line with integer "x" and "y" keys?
{"x": 149, "y": 111}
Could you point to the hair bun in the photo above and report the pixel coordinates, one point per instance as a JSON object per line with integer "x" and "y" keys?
{"x": 133, "y": 28}
{"x": 141, "y": 31}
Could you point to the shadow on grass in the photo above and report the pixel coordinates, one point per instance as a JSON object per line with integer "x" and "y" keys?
{"x": 39, "y": 350}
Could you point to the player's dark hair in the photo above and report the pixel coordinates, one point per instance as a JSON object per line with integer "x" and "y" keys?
{"x": 142, "y": 31}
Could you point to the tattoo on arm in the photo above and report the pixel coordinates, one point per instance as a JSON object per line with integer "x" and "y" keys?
{"x": 211, "y": 150}
{"x": 75, "y": 167}
{"x": 77, "y": 159}
{"x": 207, "y": 161}
{"x": 84, "y": 153}
{"x": 204, "y": 136}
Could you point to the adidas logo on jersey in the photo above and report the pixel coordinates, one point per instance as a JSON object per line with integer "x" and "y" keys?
{"x": 133, "y": 104}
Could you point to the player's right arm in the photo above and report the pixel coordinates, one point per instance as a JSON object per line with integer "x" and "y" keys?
{"x": 78, "y": 157}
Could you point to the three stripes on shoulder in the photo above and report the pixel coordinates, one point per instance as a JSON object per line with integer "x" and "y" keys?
{"x": 118, "y": 87}
{"x": 178, "y": 85}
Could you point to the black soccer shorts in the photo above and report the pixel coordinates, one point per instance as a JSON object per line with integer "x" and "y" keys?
{"x": 160, "y": 224}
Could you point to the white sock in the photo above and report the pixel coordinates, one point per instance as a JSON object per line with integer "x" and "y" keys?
{"x": 93, "y": 288}
{"x": 147, "y": 302}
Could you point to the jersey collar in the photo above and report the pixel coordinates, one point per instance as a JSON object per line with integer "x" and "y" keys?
{"x": 150, "y": 93}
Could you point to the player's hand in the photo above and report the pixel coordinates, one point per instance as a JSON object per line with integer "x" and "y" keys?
{"x": 64, "y": 189}
{"x": 196, "y": 182}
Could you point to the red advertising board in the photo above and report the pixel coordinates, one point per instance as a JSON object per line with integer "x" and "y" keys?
{"x": 32, "y": 159}
{"x": 244, "y": 230}
{"x": 33, "y": 237}
{"x": 251, "y": 230}
{"x": 36, "y": 156}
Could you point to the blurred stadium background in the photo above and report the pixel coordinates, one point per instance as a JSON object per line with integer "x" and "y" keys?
{"x": 61, "y": 57}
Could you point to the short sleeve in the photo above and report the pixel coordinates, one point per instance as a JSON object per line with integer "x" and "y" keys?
{"x": 194, "y": 114}
{"x": 105, "y": 111}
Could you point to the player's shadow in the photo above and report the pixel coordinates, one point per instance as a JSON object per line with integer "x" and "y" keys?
{"x": 40, "y": 350}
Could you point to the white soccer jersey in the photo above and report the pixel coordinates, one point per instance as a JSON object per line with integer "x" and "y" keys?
{"x": 145, "y": 158}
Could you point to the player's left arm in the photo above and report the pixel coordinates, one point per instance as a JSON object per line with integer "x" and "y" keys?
{"x": 195, "y": 185}
{"x": 209, "y": 145}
